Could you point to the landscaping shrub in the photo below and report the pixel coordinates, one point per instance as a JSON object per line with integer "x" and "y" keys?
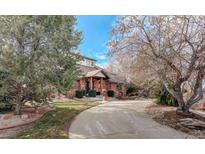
{"x": 4, "y": 99}
{"x": 110, "y": 93}
{"x": 6, "y": 103}
{"x": 144, "y": 89}
{"x": 131, "y": 90}
{"x": 164, "y": 97}
{"x": 79, "y": 94}
{"x": 84, "y": 92}
{"x": 92, "y": 93}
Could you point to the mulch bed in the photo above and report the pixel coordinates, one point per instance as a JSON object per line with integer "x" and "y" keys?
{"x": 169, "y": 117}
{"x": 11, "y": 124}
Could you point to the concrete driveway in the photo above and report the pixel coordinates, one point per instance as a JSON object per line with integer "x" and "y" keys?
{"x": 121, "y": 119}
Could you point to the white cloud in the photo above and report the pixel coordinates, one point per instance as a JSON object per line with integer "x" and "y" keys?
{"x": 101, "y": 57}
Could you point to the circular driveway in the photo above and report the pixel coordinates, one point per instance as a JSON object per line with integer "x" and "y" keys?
{"x": 120, "y": 119}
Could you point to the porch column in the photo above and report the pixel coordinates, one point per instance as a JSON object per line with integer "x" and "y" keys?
{"x": 80, "y": 84}
{"x": 91, "y": 83}
{"x": 101, "y": 84}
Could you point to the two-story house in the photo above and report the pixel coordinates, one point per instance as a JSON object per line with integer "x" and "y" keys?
{"x": 96, "y": 78}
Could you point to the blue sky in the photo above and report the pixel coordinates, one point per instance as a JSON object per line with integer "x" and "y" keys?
{"x": 96, "y": 32}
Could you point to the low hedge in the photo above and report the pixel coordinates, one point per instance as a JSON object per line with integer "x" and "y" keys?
{"x": 79, "y": 93}
{"x": 6, "y": 100}
{"x": 84, "y": 92}
{"x": 164, "y": 97}
{"x": 92, "y": 93}
{"x": 110, "y": 93}
{"x": 6, "y": 106}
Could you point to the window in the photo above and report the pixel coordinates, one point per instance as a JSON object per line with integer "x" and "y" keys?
{"x": 87, "y": 62}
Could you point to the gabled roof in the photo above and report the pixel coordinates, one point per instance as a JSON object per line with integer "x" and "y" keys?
{"x": 88, "y": 71}
{"x": 115, "y": 78}
{"x": 89, "y": 58}
{"x": 85, "y": 69}
{"x": 93, "y": 73}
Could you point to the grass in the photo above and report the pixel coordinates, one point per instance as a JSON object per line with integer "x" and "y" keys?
{"x": 54, "y": 125}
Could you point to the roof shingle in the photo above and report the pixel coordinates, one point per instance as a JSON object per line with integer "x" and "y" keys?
{"x": 88, "y": 71}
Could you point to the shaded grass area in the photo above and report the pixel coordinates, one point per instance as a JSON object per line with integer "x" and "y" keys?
{"x": 54, "y": 125}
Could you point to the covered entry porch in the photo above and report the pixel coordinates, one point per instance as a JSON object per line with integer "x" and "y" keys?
{"x": 94, "y": 80}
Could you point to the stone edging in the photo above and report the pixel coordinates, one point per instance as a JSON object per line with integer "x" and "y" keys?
{"x": 24, "y": 124}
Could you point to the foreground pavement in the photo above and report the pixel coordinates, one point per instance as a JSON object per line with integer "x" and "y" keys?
{"x": 121, "y": 119}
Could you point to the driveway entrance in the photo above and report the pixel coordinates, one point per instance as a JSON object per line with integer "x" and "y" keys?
{"x": 121, "y": 119}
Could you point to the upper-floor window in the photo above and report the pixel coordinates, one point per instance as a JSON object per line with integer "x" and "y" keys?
{"x": 88, "y": 62}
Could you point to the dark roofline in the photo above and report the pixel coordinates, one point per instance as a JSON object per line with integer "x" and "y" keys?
{"x": 106, "y": 73}
{"x": 89, "y": 58}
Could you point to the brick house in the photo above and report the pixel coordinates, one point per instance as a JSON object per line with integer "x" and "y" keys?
{"x": 96, "y": 78}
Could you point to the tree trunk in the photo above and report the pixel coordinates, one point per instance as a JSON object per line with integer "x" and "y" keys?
{"x": 182, "y": 105}
{"x": 178, "y": 95}
{"x": 184, "y": 108}
{"x": 17, "y": 110}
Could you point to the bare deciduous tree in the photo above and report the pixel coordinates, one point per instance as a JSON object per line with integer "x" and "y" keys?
{"x": 121, "y": 65}
{"x": 173, "y": 47}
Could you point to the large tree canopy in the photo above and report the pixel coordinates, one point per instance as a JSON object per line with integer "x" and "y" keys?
{"x": 173, "y": 47}
{"x": 37, "y": 54}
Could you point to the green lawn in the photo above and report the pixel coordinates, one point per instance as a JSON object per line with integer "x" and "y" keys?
{"x": 55, "y": 123}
